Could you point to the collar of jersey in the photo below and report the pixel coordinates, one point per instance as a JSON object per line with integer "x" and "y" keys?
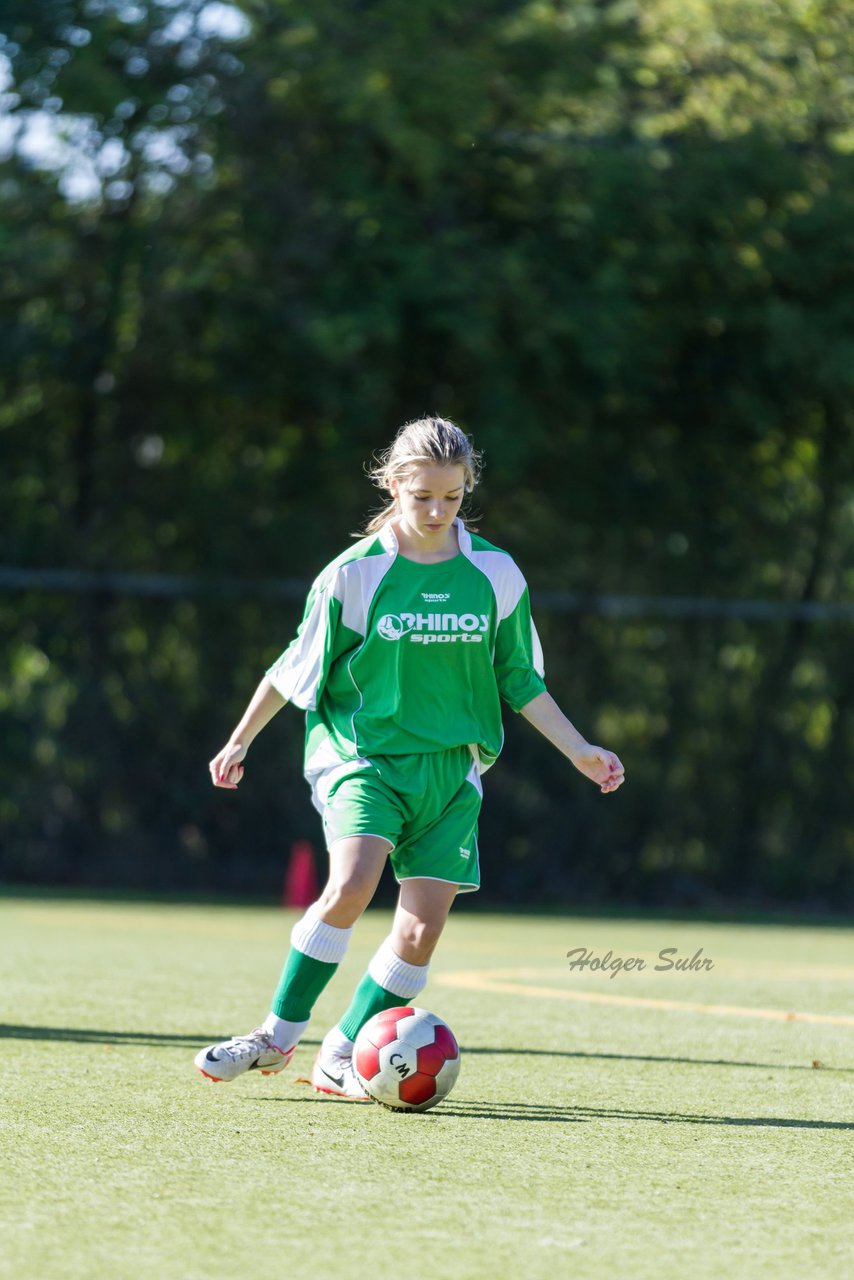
{"x": 388, "y": 538}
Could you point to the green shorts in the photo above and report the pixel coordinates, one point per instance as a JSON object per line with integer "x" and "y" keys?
{"x": 426, "y": 806}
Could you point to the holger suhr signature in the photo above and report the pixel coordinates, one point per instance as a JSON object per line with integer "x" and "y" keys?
{"x": 668, "y": 958}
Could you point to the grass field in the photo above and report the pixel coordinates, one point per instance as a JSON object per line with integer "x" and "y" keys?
{"x": 661, "y": 1125}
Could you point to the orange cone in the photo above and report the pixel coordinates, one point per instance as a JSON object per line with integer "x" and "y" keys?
{"x": 300, "y": 887}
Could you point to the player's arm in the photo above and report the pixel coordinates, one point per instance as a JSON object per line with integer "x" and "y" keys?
{"x": 297, "y": 676}
{"x": 226, "y": 769}
{"x": 601, "y": 766}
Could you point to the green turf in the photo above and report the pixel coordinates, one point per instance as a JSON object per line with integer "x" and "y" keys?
{"x": 584, "y": 1138}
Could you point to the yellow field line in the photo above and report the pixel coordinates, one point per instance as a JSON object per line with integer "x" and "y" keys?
{"x": 496, "y": 980}
{"x": 779, "y": 970}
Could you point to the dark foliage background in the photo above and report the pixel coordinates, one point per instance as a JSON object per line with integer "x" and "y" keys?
{"x": 613, "y": 241}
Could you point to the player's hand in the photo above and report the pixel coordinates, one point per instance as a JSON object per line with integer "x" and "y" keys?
{"x": 226, "y": 769}
{"x": 600, "y": 766}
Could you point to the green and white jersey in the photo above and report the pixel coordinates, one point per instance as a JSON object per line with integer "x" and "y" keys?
{"x": 398, "y": 658}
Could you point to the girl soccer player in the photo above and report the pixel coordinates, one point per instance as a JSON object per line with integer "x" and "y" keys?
{"x": 410, "y": 639}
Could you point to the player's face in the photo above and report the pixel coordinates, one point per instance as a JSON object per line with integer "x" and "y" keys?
{"x": 429, "y": 500}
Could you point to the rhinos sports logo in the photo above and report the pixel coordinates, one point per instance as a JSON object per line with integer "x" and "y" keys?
{"x": 434, "y": 628}
{"x": 391, "y": 627}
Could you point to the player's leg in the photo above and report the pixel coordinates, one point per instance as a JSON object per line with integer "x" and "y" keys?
{"x": 320, "y": 939}
{"x": 318, "y": 944}
{"x": 396, "y": 975}
{"x": 398, "y": 971}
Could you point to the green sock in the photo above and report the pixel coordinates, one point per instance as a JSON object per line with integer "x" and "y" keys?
{"x": 369, "y": 998}
{"x": 302, "y": 981}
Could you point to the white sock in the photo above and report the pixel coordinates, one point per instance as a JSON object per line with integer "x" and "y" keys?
{"x": 336, "y": 1045}
{"x": 284, "y": 1034}
{"x": 395, "y": 975}
{"x": 314, "y": 937}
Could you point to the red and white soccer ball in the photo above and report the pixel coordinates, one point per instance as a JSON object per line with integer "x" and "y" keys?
{"x": 407, "y": 1059}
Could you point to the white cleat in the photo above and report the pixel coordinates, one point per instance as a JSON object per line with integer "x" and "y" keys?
{"x": 255, "y": 1052}
{"x": 336, "y": 1076}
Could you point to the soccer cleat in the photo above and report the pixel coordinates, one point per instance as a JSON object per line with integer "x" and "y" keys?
{"x": 336, "y": 1076}
{"x": 255, "y": 1052}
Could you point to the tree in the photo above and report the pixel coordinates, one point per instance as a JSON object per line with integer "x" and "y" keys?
{"x": 613, "y": 242}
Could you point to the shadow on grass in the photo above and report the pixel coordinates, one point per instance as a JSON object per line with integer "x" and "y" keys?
{"x": 186, "y": 1040}
{"x": 85, "y": 1035}
{"x": 581, "y": 1054}
{"x": 529, "y": 1111}
{"x": 535, "y": 1111}
{"x": 538, "y": 1111}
